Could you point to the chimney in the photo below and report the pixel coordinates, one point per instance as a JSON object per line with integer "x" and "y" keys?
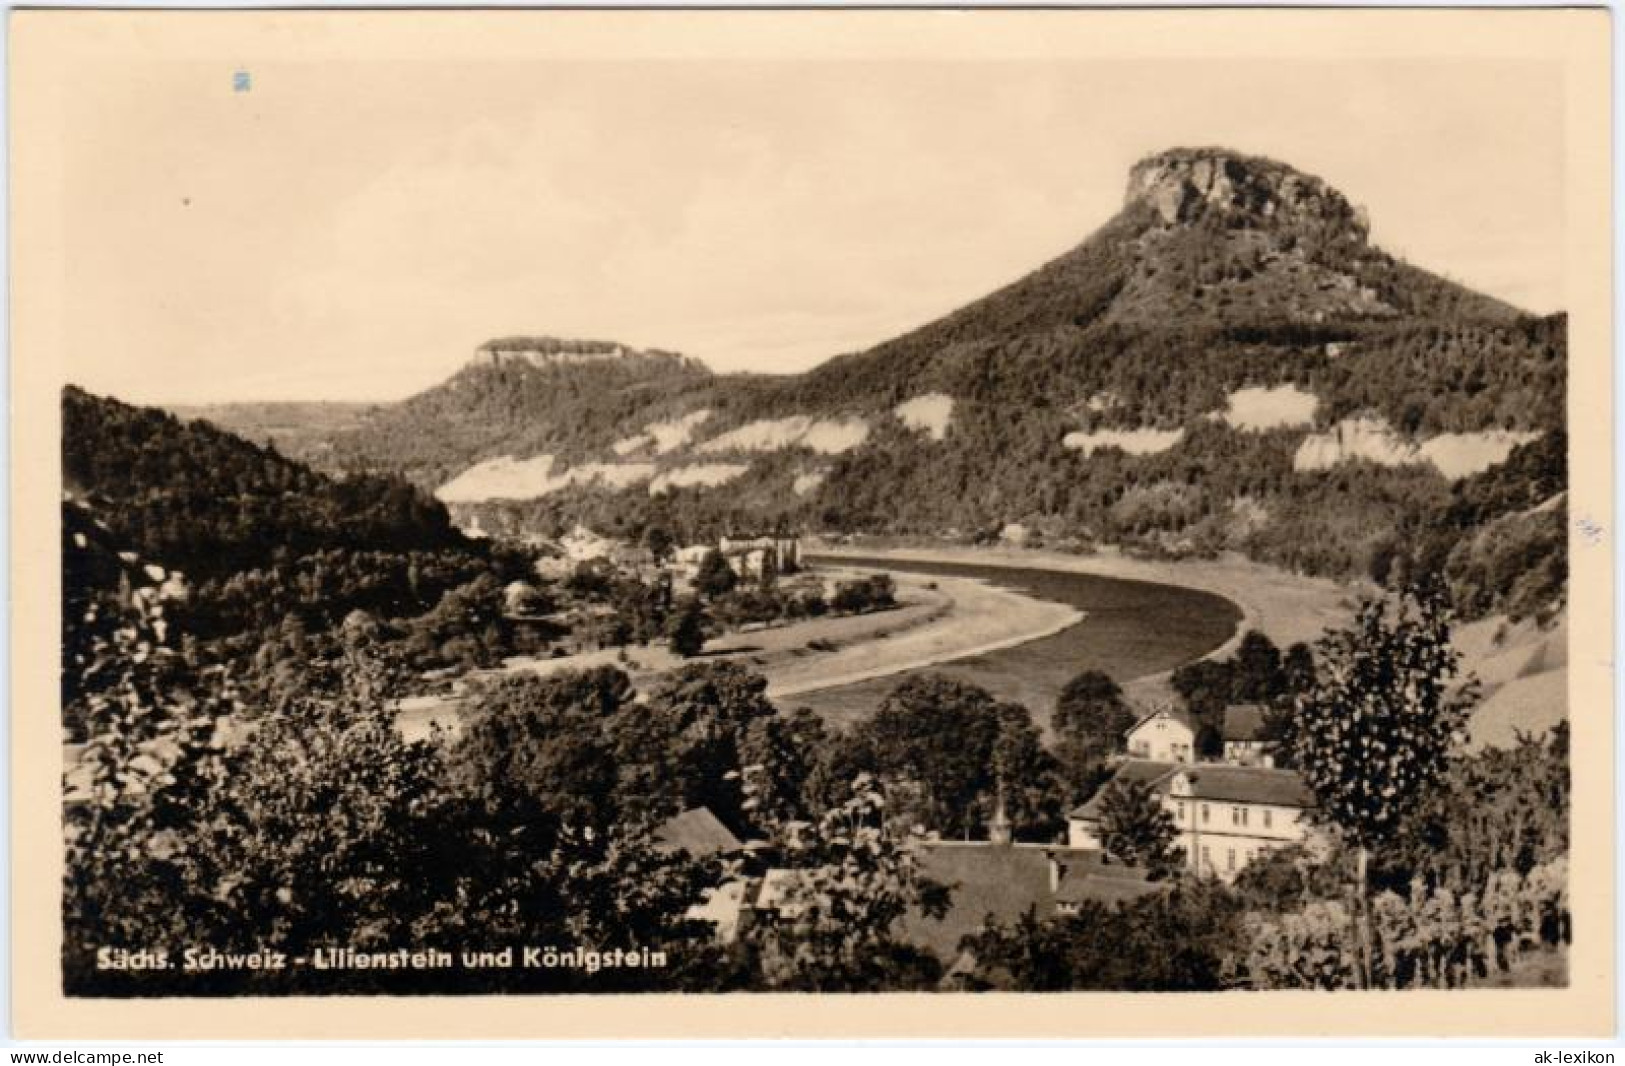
{"x": 999, "y": 829}
{"x": 1057, "y": 871}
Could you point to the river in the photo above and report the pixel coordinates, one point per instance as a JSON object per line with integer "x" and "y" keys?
{"x": 1130, "y": 629}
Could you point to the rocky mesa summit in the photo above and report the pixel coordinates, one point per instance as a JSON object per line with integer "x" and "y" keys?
{"x": 1187, "y": 184}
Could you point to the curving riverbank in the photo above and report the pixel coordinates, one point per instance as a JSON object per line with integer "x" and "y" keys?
{"x": 982, "y": 618}
{"x": 939, "y": 619}
{"x": 1145, "y": 618}
{"x": 1287, "y": 607}
{"x": 1018, "y": 623}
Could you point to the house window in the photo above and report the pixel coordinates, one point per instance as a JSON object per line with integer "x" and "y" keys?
{"x": 1266, "y": 819}
{"x": 1230, "y": 861}
{"x": 1204, "y": 817}
{"x": 1180, "y": 809}
{"x": 1244, "y": 816}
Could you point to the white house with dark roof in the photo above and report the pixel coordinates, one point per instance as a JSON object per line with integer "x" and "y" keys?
{"x": 750, "y": 554}
{"x": 1225, "y": 815}
{"x": 1164, "y": 735}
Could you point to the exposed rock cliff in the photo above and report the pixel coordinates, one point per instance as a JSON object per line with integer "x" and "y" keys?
{"x": 1187, "y": 184}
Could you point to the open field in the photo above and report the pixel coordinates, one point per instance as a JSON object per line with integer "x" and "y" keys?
{"x": 1523, "y": 671}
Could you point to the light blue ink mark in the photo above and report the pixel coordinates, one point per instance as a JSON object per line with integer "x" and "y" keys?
{"x": 241, "y": 82}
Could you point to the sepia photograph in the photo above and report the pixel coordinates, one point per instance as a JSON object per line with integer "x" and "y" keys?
{"x": 955, "y": 508}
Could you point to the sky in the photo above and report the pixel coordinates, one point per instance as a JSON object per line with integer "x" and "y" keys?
{"x": 354, "y": 230}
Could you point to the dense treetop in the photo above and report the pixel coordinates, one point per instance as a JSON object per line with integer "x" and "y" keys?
{"x": 211, "y": 504}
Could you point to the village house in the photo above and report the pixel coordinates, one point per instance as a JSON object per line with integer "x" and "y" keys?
{"x": 1243, "y": 733}
{"x": 1164, "y": 735}
{"x": 698, "y": 832}
{"x": 990, "y": 881}
{"x": 994, "y": 880}
{"x": 687, "y": 559}
{"x": 1225, "y": 815}
{"x": 750, "y": 554}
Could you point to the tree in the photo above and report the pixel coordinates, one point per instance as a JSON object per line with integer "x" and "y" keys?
{"x": 1024, "y": 775}
{"x": 1256, "y": 672}
{"x": 1179, "y": 940}
{"x": 938, "y": 734}
{"x": 327, "y": 827}
{"x": 686, "y": 628}
{"x": 811, "y": 603}
{"x": 1206, "y": 686}
{"x": 660, "y": 543}
{"x": 1298, "y": 668}
{"x": 849, "y": 881}
{"x": 1091, "y": 721}
{"x": 882, "y": 591}
{"x": 780, "y": 755}
{"x": 591, "y": 579}
{"x": 715, "y": 577}
{"x": 640, "y": 607}
{"x": 543, "y": 742}
{"x": 851, "y": 597}
{"x": 1374, "y": 735}
{"x": 149, "y": 770}
{"x": 681, "y": 747}
{"x": 1136, "y": 828}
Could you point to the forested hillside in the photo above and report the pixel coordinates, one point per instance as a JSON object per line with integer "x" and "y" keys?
{"x": 210, "y": 504}
{"x": 255, "y": 553}
{"x": 501, "y": 403}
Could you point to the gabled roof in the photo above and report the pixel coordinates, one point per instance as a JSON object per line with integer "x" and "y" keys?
{"x": 1101, "y": 887}
{"x": 1003, "y": 881}
{"x": 1177, "y": 714}
{"x": 1144, "y": 771}
{"x": 696, "y": 831}
{"x": 1243, "y": 722}
{"x": 1245, "y": 784}
{"x": 1209, "y": 781}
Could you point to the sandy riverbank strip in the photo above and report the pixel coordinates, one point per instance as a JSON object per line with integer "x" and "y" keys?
{"x": 1286, "y": 607}
{"x": 937, "y": 620}
{"x": 982, "y": 618}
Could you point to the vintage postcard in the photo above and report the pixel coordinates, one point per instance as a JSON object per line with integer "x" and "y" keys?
{"x": 811, "y": 523}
